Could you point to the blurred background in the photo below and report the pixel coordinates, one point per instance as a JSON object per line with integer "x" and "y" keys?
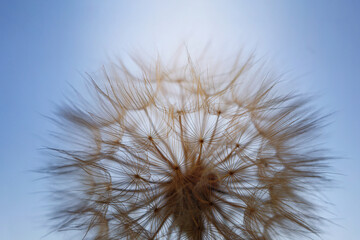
{"x": 46, "y": 46}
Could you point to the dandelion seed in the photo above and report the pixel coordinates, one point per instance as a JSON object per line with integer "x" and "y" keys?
{"x": 184, "y": 154}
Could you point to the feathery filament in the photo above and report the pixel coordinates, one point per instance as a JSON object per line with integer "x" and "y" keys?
{"x": 179, "y": 153}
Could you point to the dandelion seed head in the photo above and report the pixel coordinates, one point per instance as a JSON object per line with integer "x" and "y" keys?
{"x": 185, "y": 152}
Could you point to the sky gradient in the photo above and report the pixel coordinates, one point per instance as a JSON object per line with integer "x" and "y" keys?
{"x": 46, "y": 46}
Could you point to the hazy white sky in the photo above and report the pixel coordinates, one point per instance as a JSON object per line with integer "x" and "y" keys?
{"x": 45, "y": 45}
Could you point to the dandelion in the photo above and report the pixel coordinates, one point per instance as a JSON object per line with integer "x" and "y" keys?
{"x": 174, "y": 151}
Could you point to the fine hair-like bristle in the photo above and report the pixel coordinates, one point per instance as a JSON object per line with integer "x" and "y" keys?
{"x": 187, "y": 152}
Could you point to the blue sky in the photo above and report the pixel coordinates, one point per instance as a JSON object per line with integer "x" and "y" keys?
{"x": 45, "y": 46}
